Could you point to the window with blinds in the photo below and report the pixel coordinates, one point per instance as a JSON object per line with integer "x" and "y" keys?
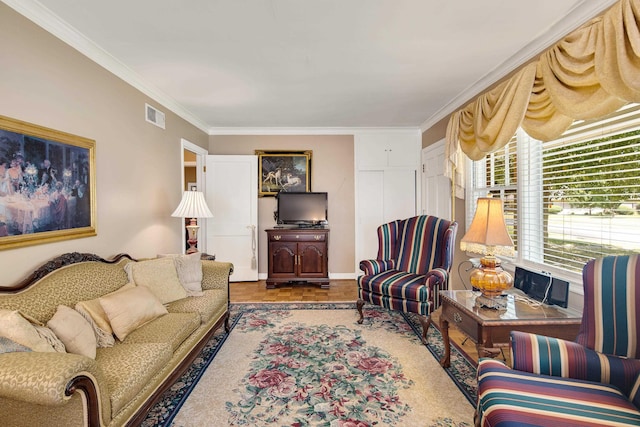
{"x": 571, "y": 199}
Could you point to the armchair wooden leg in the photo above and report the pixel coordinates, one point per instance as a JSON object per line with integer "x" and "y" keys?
{"x": 477, "y": 422}
{"x": 425, "y": 321}
{"x": 359, "y": 305}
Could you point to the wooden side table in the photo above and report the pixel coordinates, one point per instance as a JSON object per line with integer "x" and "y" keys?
{"x": 490, "y": 328}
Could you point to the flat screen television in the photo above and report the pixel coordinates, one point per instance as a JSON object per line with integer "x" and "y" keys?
{"x": 302, "y": 209}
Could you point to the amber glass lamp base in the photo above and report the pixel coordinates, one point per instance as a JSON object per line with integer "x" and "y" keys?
{"x": 492, "y": 281}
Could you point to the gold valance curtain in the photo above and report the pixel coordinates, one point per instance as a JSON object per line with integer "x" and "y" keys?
{"x": 592, "y": 72}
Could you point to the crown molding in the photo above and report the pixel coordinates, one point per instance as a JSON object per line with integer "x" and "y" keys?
{"x": 44, "y": 18}
{"x": 306, "y": 130}
{"x": 581, "y": 13}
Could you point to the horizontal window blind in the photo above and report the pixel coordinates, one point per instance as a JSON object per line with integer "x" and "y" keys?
{"x": 577, "y": 197}
{"x": 497, "y": 175}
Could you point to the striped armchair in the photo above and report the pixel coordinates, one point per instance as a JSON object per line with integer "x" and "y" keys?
{"x": 413, "y": 263}
{"x": 594, "y": 381}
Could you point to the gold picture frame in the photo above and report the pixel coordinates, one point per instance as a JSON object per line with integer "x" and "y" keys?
{"x": 283, "y": 171}
{"x": 47, "y": 185}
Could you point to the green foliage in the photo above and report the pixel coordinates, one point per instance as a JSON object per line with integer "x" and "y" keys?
{"x": 624, "y": 210}
{"x": 597, "y": 173}
{"x": 572, "y": 255}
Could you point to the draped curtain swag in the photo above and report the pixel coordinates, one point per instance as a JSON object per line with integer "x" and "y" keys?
{"x": 590, "y": 73}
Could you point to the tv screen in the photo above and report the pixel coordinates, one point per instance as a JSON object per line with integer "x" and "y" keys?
{"x": 302, "y": 208}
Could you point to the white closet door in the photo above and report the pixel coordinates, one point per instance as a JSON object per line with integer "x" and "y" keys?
{"x": 383, "y": 196}
{"x": 370, "y": 213}
{"x": 436, "y": 188}
{"x": 399, "y": 200}
{"x": 232, "y": 196}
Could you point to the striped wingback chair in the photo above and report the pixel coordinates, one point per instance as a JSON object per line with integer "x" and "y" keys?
{"x": 413, "y": 263}
{"x": 594, "y": 381}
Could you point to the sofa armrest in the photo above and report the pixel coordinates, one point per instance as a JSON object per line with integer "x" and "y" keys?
{"x": 375, "y": 266}
{"x": 42, "y": 378}
{"x": 51, "y": 379}
{"x": 552, "y": 356}
{"x": 215, "y": 274}
{"x": 436, "y": 280}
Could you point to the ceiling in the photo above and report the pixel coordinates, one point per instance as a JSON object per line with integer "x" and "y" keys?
{"x": 237, "y": 66}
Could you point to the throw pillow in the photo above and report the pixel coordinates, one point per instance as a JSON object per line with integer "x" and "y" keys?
{"x": 92, "y": 311}
{"x": 130, "y": 309}
{"x": 74, "y": 331}
{"x": 189, "y": 269}
{"x": 10, "y": 346}
{"x": 160, "y": 276}
{"x": 48, "y": 335}
{"x": 18, "y": 329}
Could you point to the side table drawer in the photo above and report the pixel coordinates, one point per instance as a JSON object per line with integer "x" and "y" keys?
{"x": 461, "y": 321}
{"x": 298, "y": 237}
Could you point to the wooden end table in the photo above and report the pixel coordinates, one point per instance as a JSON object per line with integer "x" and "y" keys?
{"x": 490, "y": 328}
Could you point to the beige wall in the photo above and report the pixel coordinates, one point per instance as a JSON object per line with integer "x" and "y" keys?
{"x": 332, "y": 170}
{"x": 44, "y": 81}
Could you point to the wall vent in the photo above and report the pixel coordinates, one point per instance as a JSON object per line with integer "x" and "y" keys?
{"x": 153, "y": 115}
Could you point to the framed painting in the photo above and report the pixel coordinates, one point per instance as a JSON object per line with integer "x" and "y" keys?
{"x": 283, "y": 171}
{"x": 47, "y": 185}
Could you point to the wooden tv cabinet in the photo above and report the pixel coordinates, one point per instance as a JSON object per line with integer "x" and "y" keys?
{"x": 298, "y": 255}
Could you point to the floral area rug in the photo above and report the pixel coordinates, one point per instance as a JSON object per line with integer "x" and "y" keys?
{"x": 301, "y": 364}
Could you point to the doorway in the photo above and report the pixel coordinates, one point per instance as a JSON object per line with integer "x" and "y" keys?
{"x": 193, "y": 159}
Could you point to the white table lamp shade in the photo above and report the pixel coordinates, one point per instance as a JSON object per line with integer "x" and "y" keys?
{"x": 192, "y": 205}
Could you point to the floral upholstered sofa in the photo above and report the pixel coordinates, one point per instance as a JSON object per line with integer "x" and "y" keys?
{"x": 89, "y": 341}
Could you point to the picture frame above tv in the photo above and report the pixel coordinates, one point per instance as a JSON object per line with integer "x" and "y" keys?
{"x": 288, "y": 171}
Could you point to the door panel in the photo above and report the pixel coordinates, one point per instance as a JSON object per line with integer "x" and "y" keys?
{"x": 399, "y": 194}
{"x": 283, "y": 259}
{"x": 232, "y": 196}
{"x": 312, "y": 259}
{"x": 436, "y": 187}
{"x": 383, "y": 196}
{"x": 370, "y": 214}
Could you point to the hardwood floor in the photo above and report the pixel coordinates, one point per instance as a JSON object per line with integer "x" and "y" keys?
{"x": 339, "y": 291}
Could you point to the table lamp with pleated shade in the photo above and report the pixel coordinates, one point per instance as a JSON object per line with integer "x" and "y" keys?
{"x": 489, "y": 237}
{"x": 192, "y": 206}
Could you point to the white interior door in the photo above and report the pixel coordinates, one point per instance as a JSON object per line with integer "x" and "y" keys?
{"x": 232, "y": 196}
{"x": 383, "y": 196}
{"x": 399, "y": 194}
{"x": 370, "y": 213}
{"x": 436, "y": 188}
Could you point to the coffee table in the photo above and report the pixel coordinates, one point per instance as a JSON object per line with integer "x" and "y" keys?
{"x": 490, "y": 328}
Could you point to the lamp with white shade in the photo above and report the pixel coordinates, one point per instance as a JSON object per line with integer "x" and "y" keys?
{"x": 489, "y": 237}
{"x": 192, "y": 206}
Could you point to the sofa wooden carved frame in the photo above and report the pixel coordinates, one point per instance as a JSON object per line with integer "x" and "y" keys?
{"x": 83, "y": 383}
